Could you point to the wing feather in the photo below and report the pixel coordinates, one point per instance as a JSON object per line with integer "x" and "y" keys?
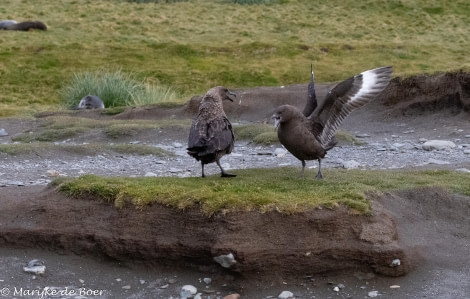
{"x": 349, "y": 95}
{"x": 312, "y": 103}
{"x": 210, "y": 138}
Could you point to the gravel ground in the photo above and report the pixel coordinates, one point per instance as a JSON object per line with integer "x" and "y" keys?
{"x": 392, "y": 153}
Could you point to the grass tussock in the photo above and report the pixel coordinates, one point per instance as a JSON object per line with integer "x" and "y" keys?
{"x": 115, "y": 89}
{"x": 261, "y": 189}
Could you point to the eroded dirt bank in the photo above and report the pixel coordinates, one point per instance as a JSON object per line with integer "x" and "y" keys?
{"x": 428, "y": 230}
{"x": 315, "y": 241}
{"x": 404, "y": 97}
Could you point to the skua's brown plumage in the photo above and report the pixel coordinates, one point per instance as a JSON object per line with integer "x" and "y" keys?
{"x": 211, "y": 135}
{"x": 309, "y": 134}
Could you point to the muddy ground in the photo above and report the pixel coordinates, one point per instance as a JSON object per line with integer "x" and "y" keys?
{"x": 151, "y": 253}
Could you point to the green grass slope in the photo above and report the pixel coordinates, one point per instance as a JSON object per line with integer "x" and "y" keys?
{"x": 191, "y": 46}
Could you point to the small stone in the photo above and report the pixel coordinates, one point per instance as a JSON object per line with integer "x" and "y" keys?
{"x": 226, "y": 166}
{"x": 177, "y": 145}
{"x": 437, "y": 162}
{"x": 341, "y": 286}
{"x": 336, "y": 289}
{"x": 398, "y": 145}
{"x": 363, "y": 135}
{"x": 209, "y": 291}
{"x": 150, "y": 174}
{"x": 118, "y": 279}
{"x": 3, "y": 133}
{"x": 81, "y": 281}
{"x": 225, "y": 261}
{"x": 172, "y": 280}
{"x": 35, "y": 267}
{"x": 142, "y": 281}
{"x": 351, "y": 164}
{"x": 280, "y": 152}
{"x": 127, "y": 287}
{"x": 198, "y": 296}
{"x": 394, "y": 286}
{"x": 285, "y": 295}
{"x": 373, "y": 294}
{"x": 181, "y": 153}
{"x": 232, "y": 296}
{"x": 188, "y": 291}
{"x": 165, "y": 286}
{"x": 439, "y": 145}
{"x": 364, "y": 276}
{"x": 207, "y": 280}
{"x": 395, "y": 263}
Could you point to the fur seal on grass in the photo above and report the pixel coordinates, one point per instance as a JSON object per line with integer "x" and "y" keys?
{"x": 308, "y": 135}
{"x": 5, "y": 23}
{"x": 90, "y": 102}
{"x": 211, "y": 135}
{"x": 27, "y": 25}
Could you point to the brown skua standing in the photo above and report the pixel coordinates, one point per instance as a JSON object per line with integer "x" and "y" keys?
{"x": 308, "y": 135}
{"x": 211, "y": 135}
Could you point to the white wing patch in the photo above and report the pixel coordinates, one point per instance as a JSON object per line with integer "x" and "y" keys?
{"x": 373, "y": 83}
